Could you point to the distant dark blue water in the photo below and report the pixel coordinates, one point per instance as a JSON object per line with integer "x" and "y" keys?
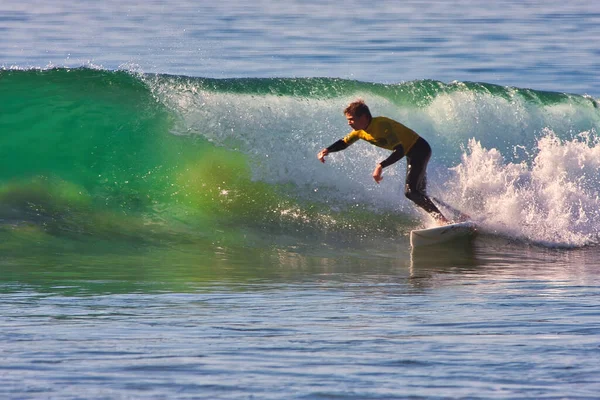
{"x": 167, "y": 231}
{"x": 544, "y": 45}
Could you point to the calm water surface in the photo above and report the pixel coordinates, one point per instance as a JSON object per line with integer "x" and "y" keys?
{"x": 486, "y": 320}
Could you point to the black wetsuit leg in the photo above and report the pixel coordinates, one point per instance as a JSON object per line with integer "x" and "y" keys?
{"x": 416, "y": 177}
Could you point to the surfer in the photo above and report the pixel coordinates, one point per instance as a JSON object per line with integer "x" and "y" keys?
{"x": 402, "y": 141}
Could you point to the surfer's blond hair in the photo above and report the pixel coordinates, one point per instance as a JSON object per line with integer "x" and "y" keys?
{"x": 357, "y": 109}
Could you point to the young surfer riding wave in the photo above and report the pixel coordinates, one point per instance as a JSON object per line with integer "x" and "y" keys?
{"x": 402, "y": 141}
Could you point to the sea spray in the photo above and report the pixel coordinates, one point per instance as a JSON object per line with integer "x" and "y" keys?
{"x": 550, "y": 199}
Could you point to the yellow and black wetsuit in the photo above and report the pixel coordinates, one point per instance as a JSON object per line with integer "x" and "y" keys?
{"x": 392, "y": 135}
{"x": 385, "y": 132}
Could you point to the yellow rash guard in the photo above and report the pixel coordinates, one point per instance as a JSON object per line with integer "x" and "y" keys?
{"x": 385, "y": 132}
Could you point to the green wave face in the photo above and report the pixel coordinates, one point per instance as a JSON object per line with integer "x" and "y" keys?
{"x": 91, "y": 152}
{"x": 149, "y": 158}
{"x": 78, "y": 139}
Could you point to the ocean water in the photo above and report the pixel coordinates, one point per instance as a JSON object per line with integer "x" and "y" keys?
{"x": 166, "y": 230}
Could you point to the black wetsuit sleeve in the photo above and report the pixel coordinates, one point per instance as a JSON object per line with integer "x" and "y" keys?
{"x": 337, "y": 146}
{"x": 396, "y": 155}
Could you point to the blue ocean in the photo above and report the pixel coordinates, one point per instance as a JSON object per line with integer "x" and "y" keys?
{"x": 167, "y": 231}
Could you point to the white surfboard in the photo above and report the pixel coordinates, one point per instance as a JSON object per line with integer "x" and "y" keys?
{"x": 441, "y": 234}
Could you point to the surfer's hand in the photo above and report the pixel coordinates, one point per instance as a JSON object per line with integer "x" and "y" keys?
{"x": 377, "y": 173}
{"x": 322, "y": 154}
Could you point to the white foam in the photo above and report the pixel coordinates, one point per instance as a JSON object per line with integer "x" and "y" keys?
{"x": 553, "y": 199}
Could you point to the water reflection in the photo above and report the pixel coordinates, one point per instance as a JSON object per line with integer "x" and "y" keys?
{"x": 457, "y": 256}
{"x": 499, "y": 259}
{"x": 92, "y": 267}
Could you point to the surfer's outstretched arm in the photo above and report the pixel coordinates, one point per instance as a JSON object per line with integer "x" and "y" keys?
{"x": 337, "y": 146}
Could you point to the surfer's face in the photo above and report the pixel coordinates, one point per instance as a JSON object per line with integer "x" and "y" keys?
{"x": 359, "y": 123}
